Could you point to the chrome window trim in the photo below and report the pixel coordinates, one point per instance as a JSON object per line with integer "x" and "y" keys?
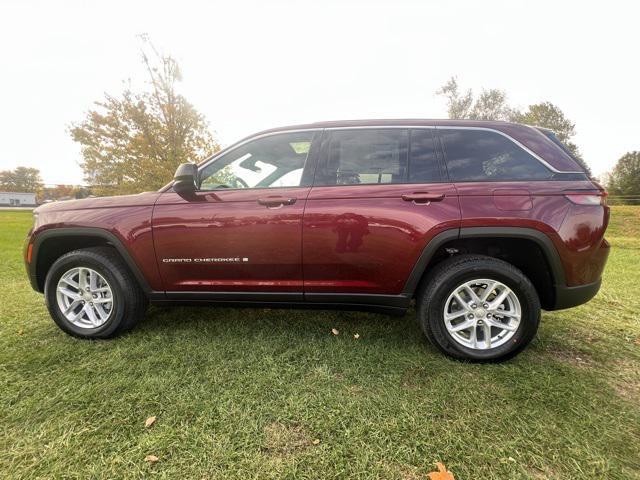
{"x": 452, "y": 127}
{"x": 231, "y": 148}
{"x": 383, "y": 127}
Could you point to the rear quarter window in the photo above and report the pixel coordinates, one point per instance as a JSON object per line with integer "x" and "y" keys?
{"x": 481, "y": 155}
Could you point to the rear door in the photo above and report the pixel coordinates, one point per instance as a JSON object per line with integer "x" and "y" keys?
{"x": 379, "y": 196}
{"x": 242, "y": 230}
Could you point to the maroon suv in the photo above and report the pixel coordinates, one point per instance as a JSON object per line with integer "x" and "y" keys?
{"x": 482, "y": 223}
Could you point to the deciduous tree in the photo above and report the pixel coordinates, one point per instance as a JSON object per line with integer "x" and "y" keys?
{"x": 135, "y": 141}
{"x": 22, "y": 179}
{"x": 492, "y": 104}
{"x": 625, "y": 178}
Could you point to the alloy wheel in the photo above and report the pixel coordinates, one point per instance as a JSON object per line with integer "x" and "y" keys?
{"x": 482, "y": 314}
{"x": 84, "y": 297}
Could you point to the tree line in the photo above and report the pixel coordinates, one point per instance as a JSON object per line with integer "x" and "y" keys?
{"x": 134, "y": 141}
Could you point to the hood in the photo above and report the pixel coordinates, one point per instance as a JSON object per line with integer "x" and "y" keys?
{"x": 139, "y": 199}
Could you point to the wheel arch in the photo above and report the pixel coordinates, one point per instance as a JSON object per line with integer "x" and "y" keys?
{"x": 49, "y": 245}
{"x": 545, "y": 277}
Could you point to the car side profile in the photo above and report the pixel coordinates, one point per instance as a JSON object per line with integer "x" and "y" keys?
{"x": 481, "y": 224}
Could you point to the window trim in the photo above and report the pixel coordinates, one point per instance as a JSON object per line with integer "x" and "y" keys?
{"x": 454, "y": 127}
{"x": 313, "y": 162}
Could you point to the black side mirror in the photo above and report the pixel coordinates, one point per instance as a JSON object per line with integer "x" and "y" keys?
{"x": 184, "y": 181}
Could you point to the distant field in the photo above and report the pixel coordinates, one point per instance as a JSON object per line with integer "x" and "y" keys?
{"x": 242, "y": 394}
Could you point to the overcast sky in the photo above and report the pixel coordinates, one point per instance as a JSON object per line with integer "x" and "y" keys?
{"x": 254, "y": 65}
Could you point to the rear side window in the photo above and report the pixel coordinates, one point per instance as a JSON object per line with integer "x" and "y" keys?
{"x": 367, "y": 156}
{"x": 481, "y": 155}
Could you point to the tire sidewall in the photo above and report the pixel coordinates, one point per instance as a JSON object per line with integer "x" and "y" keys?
{"x": 81, "y": 259}
{"x": 521, "y": 287}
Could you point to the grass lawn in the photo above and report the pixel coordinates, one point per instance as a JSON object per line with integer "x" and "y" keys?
{"x": 273, "y": 394}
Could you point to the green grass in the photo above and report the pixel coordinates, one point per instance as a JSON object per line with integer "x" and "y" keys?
{"x": 245, "y": 393}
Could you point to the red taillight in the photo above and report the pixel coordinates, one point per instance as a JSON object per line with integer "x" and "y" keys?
{"x": 595, "y": 198}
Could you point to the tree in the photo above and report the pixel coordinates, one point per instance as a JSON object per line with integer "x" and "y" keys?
{"x": 22, "y": 179}
{"x": 490, "y": 104}
{"x": 493, "y": 105}
{"x": 135, "y": 142}
{"x": 548, "y": 115}
{"x": 625, "y": 178}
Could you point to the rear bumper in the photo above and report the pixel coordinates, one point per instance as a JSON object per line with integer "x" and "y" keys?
{"x": 567, "y": 297}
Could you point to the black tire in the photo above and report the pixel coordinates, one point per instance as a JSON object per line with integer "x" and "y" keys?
{"x": 129, "y": 303}
{"x": 457, "y": 270}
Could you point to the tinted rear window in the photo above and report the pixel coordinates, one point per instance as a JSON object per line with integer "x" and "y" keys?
{"x": 481, "y": 155}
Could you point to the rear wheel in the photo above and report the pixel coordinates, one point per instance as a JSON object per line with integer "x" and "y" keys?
{"x": 479, "y": 308}
{"x": 90, "y": 293}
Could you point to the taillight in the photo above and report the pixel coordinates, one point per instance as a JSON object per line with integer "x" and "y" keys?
{"x": 595, "y": 198}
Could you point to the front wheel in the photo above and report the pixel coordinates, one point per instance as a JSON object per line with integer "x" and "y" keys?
{"x": 479, "y": 308}
{"x": 90, "y": 293}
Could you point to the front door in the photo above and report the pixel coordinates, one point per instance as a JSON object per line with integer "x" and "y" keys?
{"x": 242, "y": 230}
{"x": 380, "y": 195}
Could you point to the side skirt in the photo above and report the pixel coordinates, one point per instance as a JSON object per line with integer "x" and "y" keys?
{"x": 389, "y": 304}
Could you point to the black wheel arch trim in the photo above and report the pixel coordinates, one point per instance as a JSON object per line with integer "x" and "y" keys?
{"x": 540, "y": 238}
{"x": 110, "y": 238}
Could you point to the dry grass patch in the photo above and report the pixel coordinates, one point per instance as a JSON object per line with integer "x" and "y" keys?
{"x": 284, "y": 440}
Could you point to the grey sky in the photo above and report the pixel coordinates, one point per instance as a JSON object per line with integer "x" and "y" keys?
{"x": 254, "y": 65}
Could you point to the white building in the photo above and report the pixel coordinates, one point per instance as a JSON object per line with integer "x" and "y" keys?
{"x": 17, "y": 199}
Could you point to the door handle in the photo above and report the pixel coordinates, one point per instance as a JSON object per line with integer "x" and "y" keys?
{"x": 423, "y": 197}
{"x": 276, "y": 202}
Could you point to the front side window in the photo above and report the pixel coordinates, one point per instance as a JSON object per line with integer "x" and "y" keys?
{"x": 480, "y": 155}
{"x": 269, "y": 162}
{"x": 366, "y": 156}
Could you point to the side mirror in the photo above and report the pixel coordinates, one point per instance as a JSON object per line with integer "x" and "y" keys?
{"x": 184, "y": 181}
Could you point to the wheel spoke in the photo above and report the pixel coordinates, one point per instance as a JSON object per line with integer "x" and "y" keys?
{"x": 101, "y": 312}
{"x": 93, "y": 278}
{"x": 69, "y": 281}
{"x": 506, "y": 313}
{"x": 504, "y": 326}
{"x": 473, "y": 335}
{"x": 487, "y": 291}
{"x": 453, "y": 315}
{"x": 71, "y": 306}
{"x": 92, "y": 315}
{"x": 461, "y": 302}
{"x": 487, "y": 334}
{"x": 98, "y": 301}
{"x": 462, "y": 326}
{"x": 472, "y": 294}
{"x": 500, "y": 298}
{"x": 72, "y": 295}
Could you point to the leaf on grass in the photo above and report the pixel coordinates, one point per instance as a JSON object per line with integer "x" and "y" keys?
{"x": 356, "y": 336}
{"x": 316, "y": 441}
{"x": 150, "y": 421}
{"x": 151, "y": 459}
{"x": 441, "y": 474}
{"x": 21, "y": 332}
{"x": 335, "y": 331}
